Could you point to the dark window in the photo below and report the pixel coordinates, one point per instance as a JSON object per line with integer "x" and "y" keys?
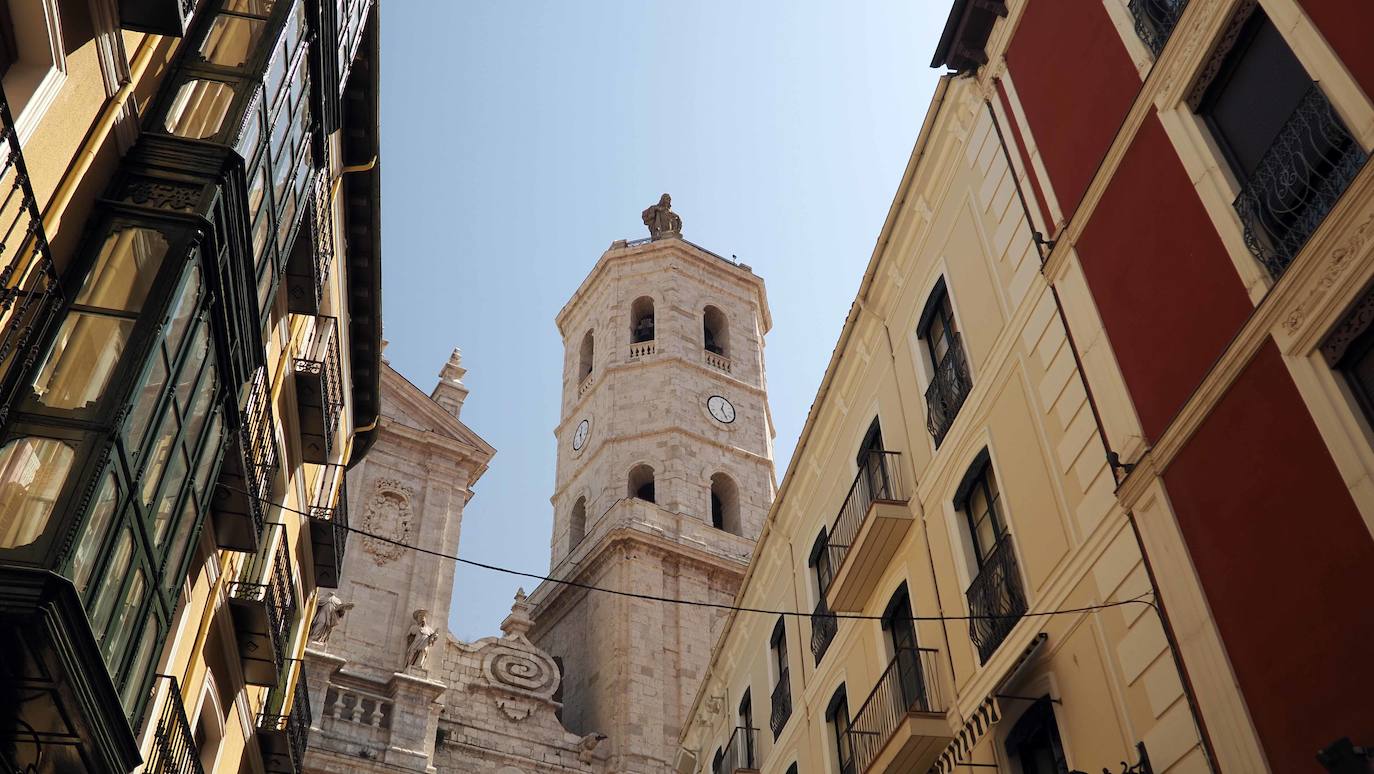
{"x": 642, "y": 320}
{"x": 586, "y": 356}
{"x": 746, "y": 721}
{"x": 980, "y": 501}
{"x": 870, "y": 461}
{"x": 823, "y": 623}
{"x": 792, "y": 769}
{"x": 837, "y": 715}
{"x": 717, "y": 511}
{"x": 9, "y": 52}
{"x": 718, "y": 762}
{"x": 820, "y": 564}
{"x": 781, "y": 698}
{"x": 937, "y": 327}
{"x": 1034, "y": 741}
{"x": 1285, "y": 143}
{"x": 949, "y": 382}
{"x": 901, "y": 638}
{"x": 642, "y": 483}
{"x": 778, "y": 644}
{"x": 714, "y": 331}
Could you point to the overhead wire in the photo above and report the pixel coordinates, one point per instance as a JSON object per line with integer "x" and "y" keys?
{"x": 1142, "y": 599}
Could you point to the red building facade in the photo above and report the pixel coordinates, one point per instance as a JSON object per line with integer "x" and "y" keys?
{"x": 1196, "y": 169}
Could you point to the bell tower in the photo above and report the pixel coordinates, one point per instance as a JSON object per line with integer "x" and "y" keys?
{"x": 665, "y": 475}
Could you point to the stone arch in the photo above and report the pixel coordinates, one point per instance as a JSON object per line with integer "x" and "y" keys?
{"x": 715, "y": 331}
{"x": 641, "y": 483}
{"x": 586, "y": 355}
{"x": 642, "y": 322}
{"x": 725, "y": 510}
{"x": 577, "y": 523}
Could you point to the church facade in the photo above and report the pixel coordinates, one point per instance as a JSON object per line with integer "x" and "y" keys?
{"x": 663, "y": 479}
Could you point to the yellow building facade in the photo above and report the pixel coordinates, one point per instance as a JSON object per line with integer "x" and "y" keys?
{"x": 189, "y": 363}
{"x": 972, "y": 593}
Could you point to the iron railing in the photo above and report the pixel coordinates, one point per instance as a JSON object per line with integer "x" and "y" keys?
{"x": 320, "y": 362}
{"x": 823, "y": 628}
{"x": 1297, "y": 181}
{"x": 1155, "y": 21}
{"x": 174, "y": 746}
{"x": 329, "y": 527}
{"x": 908, "y": 685}
{"x": 286, "y": 717}
{"x": 741, "y": 752}
{"x": 30, "y": 294}
{"x": 266, "y": 577}
{"x": 995, "y": 599}
{"x": 781, "y": 702}
{"x": 878, "y": 480}
{"x": 947, "y": 390}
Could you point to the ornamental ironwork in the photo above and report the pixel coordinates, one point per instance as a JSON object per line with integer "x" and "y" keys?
{"x": 174, "y": 748}
{"x": 996, "y": 600}
{"x": 284, "y": 725}
{"x": 823, "y": 628}
{"x": 947, "y": 390}
{"x": 1297, "y": 181}
{"x": 781, "y": 701}
{"x": 878, "y": 480}
{"x": 907, "y": 685}
{"x": 1155, "y": 21}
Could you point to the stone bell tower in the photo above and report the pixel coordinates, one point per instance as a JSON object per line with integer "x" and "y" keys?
{"x": 665, "y": 475}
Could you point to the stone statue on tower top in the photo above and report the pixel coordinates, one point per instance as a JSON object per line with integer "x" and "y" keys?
{"x": 663, "y": 223}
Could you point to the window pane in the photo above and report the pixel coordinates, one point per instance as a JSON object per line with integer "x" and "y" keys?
{"x": 121, "y": 628}
{"x": 251, "y": 139}
{"x": 83, "y": 358}
{"x": 113, "y": 582}
{"x": 162, "y": 513}
{"x": 190, "y": 370}
{"x": 145, "y": 402}
{"x": 987, "y": 538}
{"x": 259, "y": 7}
{"x": 93, "y": 535}
{"x": 231, "y": 40}
{"x": 32, "y": 471}
{"x": 199, "y": 109}
{"x": 138, "y": 669}
{"x": 158, "y": 456}
{"x": 209, "y": 455}
{"x": 184, "y": 310}
{"x": 200, "y": 407}
{"x": 124, "y": 270}
{"x": 181, "y": 540}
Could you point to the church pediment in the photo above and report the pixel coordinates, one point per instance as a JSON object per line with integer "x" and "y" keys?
{"x": 408, "y": 406}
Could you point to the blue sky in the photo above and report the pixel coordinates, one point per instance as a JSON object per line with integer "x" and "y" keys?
{"x": 521, "y": 137}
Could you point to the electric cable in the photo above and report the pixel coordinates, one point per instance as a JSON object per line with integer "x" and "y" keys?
{"x": 1139, "y": 600}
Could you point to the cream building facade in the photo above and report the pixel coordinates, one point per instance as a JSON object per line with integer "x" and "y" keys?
{"x": 950, "y": 467}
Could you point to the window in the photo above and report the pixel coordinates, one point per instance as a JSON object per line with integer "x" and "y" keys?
{"x": 745, "y": 757}
{"x": 982, "y": 510}
{"x": 949, "y": 382}
{"x": 715, "y": 332}
{"x": 33, "y": 59}
{"x": 725, "y": 504}
{"x": 819, "y": 562}
{"x": 871, "y": 463}
{"x": 837, "y": 716}
{"x": 577, "y": 523}
{"x": 781, "y": 708}
{"x": 32, "y": 472}
{"x": 1287, "y": 147}
{"x": 823, "y": 623}
{"x": 9, "y": 48}
{"x": 209, "y": 727}
{"x": 585, "y": 357}
{"x": 642, "y": 320}
{"x": 642, "y": 483}
{"x": 718, "y": 762}
{"x": 1034, "y": 741}
{"x": 996, "y": 598}
{"x": 900, "y": 630}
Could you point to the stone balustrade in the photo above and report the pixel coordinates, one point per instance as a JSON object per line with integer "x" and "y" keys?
{"x": 642, "y": 349}
{"x": 351, "y": 706}
{"x": 718, "y": 362}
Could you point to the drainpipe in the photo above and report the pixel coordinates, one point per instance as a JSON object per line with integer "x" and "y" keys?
{"x": 1113, "y": 460}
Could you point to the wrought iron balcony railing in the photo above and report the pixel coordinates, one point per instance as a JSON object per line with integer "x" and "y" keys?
{"x": 1155, "y": 21}
{"x": 312, "y": 255}
{"x": 319, "y": 390}
{"x": 997, "y": 596}
{"x": 908, "y": 685}
{"x": 265, "y": 609}
{"x": 741, "y": 752}
{"x": 30, "y": 296}
{"x": 284, "y": 725}
{"x": 329, "y": 526}
{"x": 879, "y": 480}
{"x": 947, "y": 390}
{"x": 781, "y": 702}
{"x": 823, "y": 628}
{"x": 1297, "y": 182}
{"x": 174, "y": 746}
{"x": 249, "y": 473}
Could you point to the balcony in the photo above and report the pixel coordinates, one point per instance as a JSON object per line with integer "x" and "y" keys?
{"x": 781, "y": 702}
{"x": 1297, "y": 182}
{"x": 716, "y": 360}
{"x": 174, "y": 748}
{"x": 1155, "y": 21}
{"x": 312, "y": 254}
{"x": 329, "y": 527}
{"x": 995, "y": 592}
{"x": 160, "y": 17}
{"x": 30, "y": 296}
{"x": 283, "y": 726}
{"x": 947, "y": 390}
{"x": 263, "y": 605}
{"x": 319, "y": 390}
{"x": 642, "y": 349}
{"x": 249, "y": 472}
{"x": 823, "y": 628}
{"x": 901, "y": 726}
{"x": 741, "y": 752}
{"x": 866, "y": 534}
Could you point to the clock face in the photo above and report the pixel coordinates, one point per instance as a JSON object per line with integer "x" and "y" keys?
{"x": 720, "y": 408}
{"x": 580, "y": 435}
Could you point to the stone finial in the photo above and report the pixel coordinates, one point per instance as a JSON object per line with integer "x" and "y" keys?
{"x": 519, "y": 622}
{"x": 663, "y": 223}
{"x": 450, "y": 392}
{"x": 382, "y": 353}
